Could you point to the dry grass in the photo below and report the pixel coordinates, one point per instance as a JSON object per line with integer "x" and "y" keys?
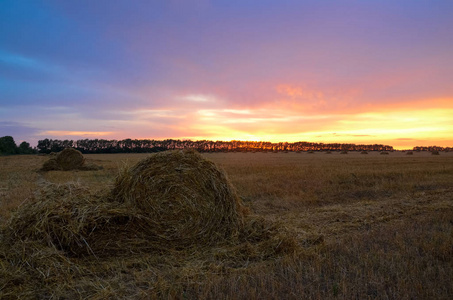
{"x": 330, "y": 226}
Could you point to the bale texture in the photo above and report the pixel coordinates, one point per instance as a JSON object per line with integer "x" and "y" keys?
{"x": 70, "y": 159}
{"x": 71, "y": 219}
{"x": 186, "y": 198}
{"x": 51, "y": 165}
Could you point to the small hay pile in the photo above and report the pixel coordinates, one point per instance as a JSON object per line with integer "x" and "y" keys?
{"x": 68, "y": 159}
{"x": 70, "y": 219}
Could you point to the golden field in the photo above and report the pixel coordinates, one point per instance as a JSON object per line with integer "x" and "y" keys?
{"x": 366, "y": 227}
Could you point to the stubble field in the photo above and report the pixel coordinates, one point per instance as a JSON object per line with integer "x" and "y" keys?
{"x": 365, "y": 227}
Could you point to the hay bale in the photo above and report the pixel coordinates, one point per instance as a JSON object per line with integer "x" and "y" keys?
{"x": 364, "y": 152}
{"x": 344, "y": 152}
{"x": 435, "y": 152}
{"x": 409, "y": 153}
{"x": 70, "y": 159}
{"x": 187, "y": 199}
{"x": 384, "y": 153}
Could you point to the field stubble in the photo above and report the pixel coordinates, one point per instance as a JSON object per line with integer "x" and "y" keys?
{"x": 368, "y": 226}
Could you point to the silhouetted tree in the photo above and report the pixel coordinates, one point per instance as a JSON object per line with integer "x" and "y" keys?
{"x": 8, "y": 146}
{"x": 44, "y": 146}
{"x": 24, "y": 148}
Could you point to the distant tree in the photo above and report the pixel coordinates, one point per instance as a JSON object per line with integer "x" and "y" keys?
{"x": 56, "y": 145}
{"x": 8, "y": 146}
{"x": 44, "y": 146}
{"x": 24, "y": 148}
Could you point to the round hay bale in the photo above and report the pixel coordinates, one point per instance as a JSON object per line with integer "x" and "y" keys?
{"x": 70, "y": 159}
{"x": 186, "y": 198}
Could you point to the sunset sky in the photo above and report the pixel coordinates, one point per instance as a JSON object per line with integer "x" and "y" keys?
{"x": 360, "y": 72}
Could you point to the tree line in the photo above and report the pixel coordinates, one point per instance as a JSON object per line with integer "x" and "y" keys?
{"x": 8, "y": 147}
{"x": 432, "y": 148}
{"x": 147, "y": 145}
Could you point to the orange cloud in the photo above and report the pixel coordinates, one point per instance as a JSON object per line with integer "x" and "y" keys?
{"x": 298, "y": 92}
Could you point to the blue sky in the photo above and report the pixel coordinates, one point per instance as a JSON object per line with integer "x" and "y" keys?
{"x": 322, "y": 71}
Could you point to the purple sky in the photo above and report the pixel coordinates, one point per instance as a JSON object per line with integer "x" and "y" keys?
{"x": 321, "y": 71}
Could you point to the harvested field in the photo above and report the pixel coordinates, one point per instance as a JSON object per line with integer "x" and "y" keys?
{"x": 324, "y": 227}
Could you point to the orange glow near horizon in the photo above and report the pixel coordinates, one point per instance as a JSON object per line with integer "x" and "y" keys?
{"x": 401, "y": 129}
{"x": 389, "y": 124}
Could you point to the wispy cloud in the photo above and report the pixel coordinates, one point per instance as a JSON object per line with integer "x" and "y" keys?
{"x": 61, "y": 133}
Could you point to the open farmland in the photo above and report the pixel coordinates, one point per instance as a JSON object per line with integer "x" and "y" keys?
{"x": 366, "y": 226}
